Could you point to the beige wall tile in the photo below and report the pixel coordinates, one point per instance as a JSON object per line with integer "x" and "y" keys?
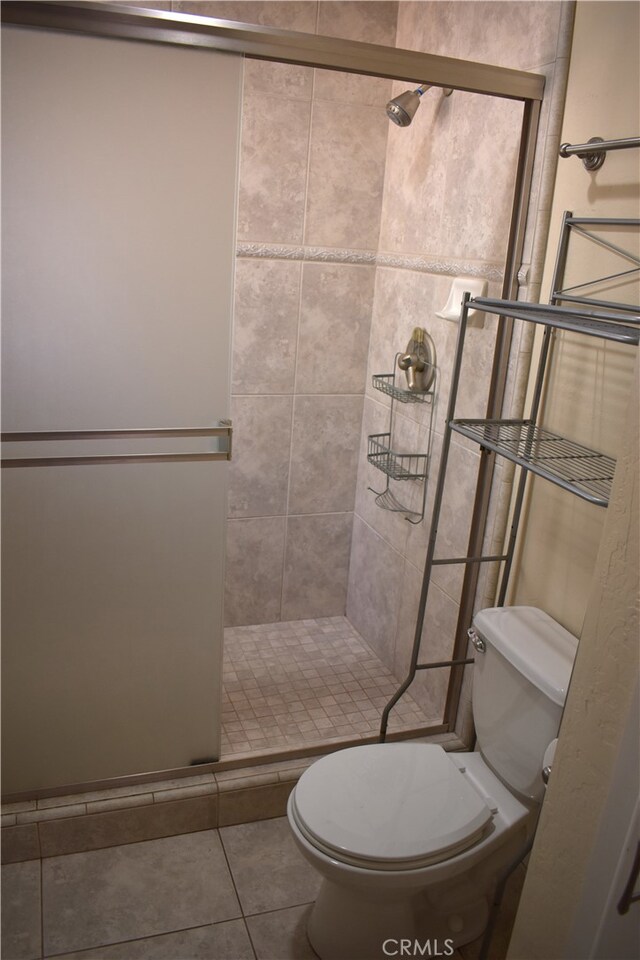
{"x": 261, "y": 447}
{"x": 407, "y": 438}
{"x": 265, "y": 328}
{"x": 509, "y": 34}
{"x": 480, "y": 176}
{"x": 346, "y": 172}
{"x": 335, "y": 318}
{"x": 255, "y": 553}
{"x": 374, "y": 590}
{"x": 273, "y": 169}
{"x": 283, "y": 80}
{"x": 372, "y": 22}
{"x": 286, "y": 14}
{"x": 455, "y": 515}
{"x": 316, "y": 566}
{"x": 324, "y": 453}
{"x": 351, "y": 88}
{"x": 429, "y": 689}
{"x": 415, "y": 177}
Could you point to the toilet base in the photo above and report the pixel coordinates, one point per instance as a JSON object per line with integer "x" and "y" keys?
{"x": 346, "y": 924}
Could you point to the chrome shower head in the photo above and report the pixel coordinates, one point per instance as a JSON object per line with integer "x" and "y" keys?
{"x": 402, "y": 109}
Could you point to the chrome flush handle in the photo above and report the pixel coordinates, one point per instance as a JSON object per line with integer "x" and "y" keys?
{"x": 477, "y": 641}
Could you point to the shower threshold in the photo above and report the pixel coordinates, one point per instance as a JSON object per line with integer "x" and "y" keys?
{"x": 296, "y": 687}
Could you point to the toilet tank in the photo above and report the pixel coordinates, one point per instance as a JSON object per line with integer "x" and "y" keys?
{"x": 519, "y": 688}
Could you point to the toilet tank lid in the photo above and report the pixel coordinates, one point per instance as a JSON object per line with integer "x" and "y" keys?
{"x": 534, "y": 643}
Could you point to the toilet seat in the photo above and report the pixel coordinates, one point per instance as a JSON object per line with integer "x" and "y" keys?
{"x": 397, "y": 806}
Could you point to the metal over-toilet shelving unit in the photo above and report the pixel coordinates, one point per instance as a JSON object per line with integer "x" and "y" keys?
{"x": 586, "y": 473}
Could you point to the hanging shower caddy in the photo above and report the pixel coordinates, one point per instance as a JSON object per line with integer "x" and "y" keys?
{"x": 586, "y": 473}
{"x": 400, "y": 467}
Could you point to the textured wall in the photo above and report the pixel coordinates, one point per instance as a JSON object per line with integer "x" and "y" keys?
{"x": 582, "y": 562}
{"x": 589, "y": 380}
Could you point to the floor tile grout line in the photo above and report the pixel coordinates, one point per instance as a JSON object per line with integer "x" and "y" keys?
{"x": 152, "y": 936}
{"x": 291, "y": 906}
{"x": 230, "y": 869}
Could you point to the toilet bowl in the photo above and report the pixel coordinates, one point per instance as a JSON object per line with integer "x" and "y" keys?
{"x": 407, "y": 844}
{"x": 410, "y": 840}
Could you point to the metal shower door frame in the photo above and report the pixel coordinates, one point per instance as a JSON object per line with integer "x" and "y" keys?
{"x": 265, "y": 43}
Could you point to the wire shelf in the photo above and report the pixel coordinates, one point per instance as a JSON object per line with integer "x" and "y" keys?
{"x": 398, "y": 466}
{"x": 570, "y": 465}
{"x": 385, "y": 382}
{"x": 594, "y": 323}
{"x": 388, "y": 501}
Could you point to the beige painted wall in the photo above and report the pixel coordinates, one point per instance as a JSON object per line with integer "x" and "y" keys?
{"x": 579, "y": 563}
{"x": 589, "y": 381}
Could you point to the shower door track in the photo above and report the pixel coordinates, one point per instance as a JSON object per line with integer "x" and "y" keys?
{"x": 347, "y": 56}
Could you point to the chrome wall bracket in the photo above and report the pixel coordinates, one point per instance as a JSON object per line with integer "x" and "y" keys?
{"x": 593, "y": 153}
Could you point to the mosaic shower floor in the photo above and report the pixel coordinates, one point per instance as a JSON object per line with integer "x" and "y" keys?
{"x": 303, "y": 683}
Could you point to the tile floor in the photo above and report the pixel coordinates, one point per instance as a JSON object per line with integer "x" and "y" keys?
{"x": 302, "y": 683}
{"x": 229, "y": 894}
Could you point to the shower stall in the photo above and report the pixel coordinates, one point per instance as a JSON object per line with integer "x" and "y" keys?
{"x": 349, "y": 232}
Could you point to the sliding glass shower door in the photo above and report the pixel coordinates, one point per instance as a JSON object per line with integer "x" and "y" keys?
{"x": 119, "y": 186}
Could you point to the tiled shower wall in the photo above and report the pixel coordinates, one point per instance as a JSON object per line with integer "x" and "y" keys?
{"x": 446, "y": 208}
{"x": 311, "y": 180}
{"x": 350, "y": 230}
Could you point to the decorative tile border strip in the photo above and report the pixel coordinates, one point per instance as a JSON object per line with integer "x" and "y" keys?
{"x": 448, "y": 268}
{"x": 441, "y": 266}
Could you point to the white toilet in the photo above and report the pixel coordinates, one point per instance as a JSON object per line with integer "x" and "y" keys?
{"x": 410, "y": 840}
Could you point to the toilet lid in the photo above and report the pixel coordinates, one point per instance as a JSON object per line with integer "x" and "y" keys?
{"x": 395, "y": 806}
